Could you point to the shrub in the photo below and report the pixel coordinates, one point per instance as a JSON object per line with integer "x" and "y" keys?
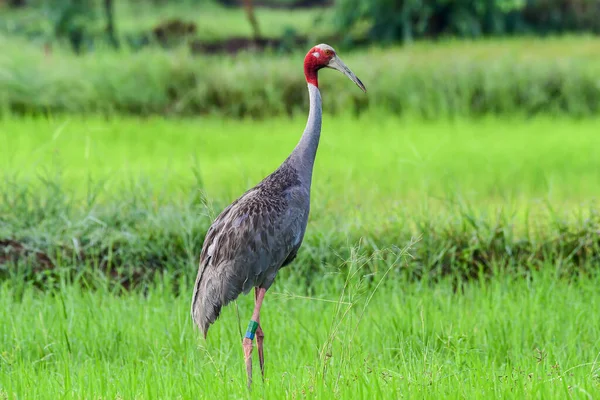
{"x": 391, "y": 20}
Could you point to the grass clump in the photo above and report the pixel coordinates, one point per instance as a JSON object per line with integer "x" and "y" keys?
{"x": 503, "y": 77}
{"x": 133, "y": 237}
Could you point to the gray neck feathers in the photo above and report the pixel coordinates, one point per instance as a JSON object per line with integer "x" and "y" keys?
{"x": 303, "y": 156}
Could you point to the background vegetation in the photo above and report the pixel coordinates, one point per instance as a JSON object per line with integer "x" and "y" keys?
{"x": 407, "y": 20}
{"x": 454, "y": 238}
{"x": 468, "y": 79}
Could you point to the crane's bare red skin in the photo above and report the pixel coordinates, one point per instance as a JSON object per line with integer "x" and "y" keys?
{"x": 313, "y": 63}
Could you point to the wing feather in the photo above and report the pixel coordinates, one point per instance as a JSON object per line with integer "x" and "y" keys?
{"x": 245, "y": 247}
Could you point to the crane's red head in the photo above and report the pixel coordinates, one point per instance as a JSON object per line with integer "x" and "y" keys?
{"x": 324, "y": 56}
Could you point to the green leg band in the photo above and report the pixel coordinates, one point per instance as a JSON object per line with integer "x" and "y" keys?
{"x": 252, "y": 327}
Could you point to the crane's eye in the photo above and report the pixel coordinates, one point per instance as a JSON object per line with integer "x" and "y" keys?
{"x": 328, "y": 52}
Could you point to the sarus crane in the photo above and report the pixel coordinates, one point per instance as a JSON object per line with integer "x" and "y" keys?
{"x": 261, "y": 231}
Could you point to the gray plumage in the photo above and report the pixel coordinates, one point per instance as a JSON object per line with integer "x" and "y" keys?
{"x": 261, "y": 231}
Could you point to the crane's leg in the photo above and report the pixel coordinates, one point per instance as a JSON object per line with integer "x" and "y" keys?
{"x": 260, "y": 338}
{"x": 252, "y": 329}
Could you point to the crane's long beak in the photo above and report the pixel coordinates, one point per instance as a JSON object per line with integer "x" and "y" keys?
{"x": 337, "y": 63}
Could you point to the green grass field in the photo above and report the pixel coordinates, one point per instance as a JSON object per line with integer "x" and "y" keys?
{"x": 375, "y": 162}
{"x": 493, "y": 295}
{"x": 519, "y": 334}
{"x": 508, "y": 338}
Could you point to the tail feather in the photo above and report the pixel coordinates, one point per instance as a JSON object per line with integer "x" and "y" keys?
{"x": 206, "y": 306}
{"x": 211, "y": 294}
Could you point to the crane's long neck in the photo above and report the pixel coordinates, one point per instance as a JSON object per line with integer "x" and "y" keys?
{"x": 303, "y": 156}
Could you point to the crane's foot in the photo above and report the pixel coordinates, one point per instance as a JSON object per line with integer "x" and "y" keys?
{"x": 254, "y": 329}
{"x": 247, "y": 344}
{"x": 260, "y": 338}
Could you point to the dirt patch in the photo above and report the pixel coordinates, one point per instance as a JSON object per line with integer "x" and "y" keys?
{"x": 41, "y": 267}
{"x": 291, "y": 5}
{"x": 236, "y": 44}
{"x": 11, "y": 251}
{"x": 173, "y": 30}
